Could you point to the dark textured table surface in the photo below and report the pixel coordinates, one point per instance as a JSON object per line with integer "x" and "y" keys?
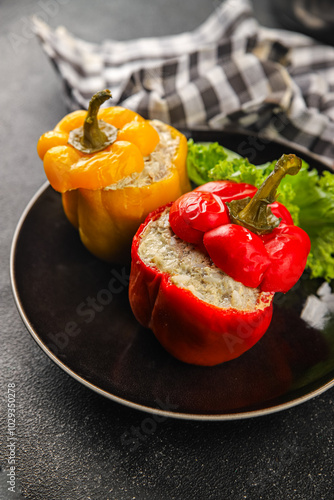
{"x": 69, "y": 439}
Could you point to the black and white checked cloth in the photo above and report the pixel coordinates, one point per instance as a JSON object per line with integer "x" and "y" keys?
{"x": 229, "y": 72}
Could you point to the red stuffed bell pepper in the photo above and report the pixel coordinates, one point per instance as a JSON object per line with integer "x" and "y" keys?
{"x": 205, "y": 268}
{"x": 198, "y": 313}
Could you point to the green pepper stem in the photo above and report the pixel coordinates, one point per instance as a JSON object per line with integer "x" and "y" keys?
{"x": 93, "y": 137}
{"x": 255, "y": 214}
{"x": 95, "y": 134}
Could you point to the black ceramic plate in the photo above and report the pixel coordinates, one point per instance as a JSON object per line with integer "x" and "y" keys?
{"x": 77, "y": 310}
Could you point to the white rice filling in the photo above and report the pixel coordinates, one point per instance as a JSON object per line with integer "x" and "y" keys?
{"x": 191, "y": 269}
{"x": 157, "y": 165}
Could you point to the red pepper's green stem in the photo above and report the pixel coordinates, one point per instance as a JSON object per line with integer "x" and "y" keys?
{"x": 255, "y": 214}
{"x": 93, "y": 137}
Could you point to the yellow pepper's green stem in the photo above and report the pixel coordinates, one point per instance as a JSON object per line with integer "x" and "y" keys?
{"x": 95, "y": 134}
{"x": 254, "y": 213}
{"x": 93, "y": 137}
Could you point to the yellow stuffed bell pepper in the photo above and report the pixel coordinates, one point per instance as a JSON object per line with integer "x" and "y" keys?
{"x": 113, "y": 167}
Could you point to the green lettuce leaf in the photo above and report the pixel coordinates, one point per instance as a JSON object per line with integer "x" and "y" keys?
{"x": 203, "y": 156}
{"x": 309, "y": 196}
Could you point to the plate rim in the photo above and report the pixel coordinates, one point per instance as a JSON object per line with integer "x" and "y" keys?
{"x": 125, "y": 402}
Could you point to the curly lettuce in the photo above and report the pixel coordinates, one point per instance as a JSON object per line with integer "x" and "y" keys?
{"x": 309, "y": 196}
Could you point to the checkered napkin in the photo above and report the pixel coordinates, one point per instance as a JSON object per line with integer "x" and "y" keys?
{"x": 230, "y": 72}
